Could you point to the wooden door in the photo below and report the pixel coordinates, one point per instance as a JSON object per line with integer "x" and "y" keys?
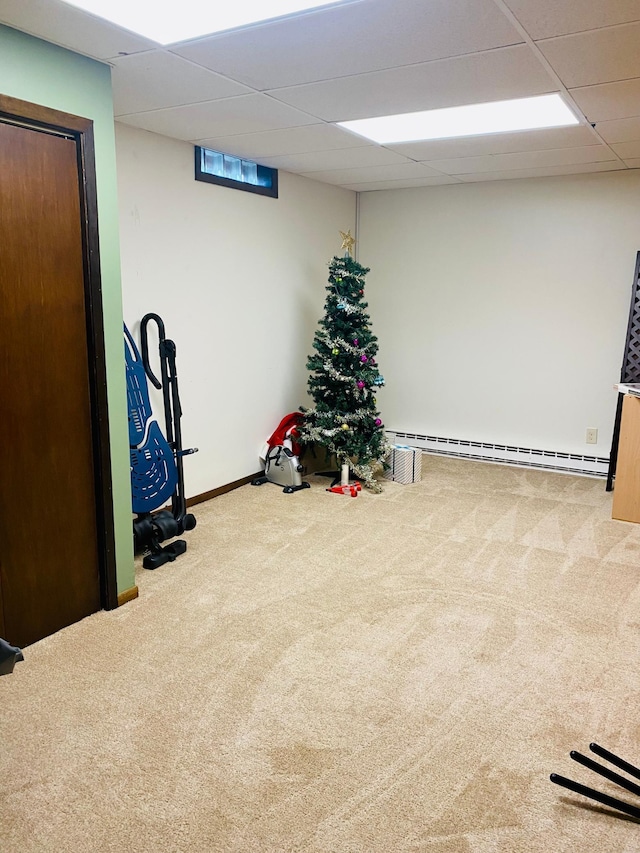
{"x": 49, "y": 561}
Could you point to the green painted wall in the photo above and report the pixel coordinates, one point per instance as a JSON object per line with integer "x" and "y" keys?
{"x": 39, "y": 72}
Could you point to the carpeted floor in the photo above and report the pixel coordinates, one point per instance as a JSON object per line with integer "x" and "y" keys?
{"x": 392, "y": 673}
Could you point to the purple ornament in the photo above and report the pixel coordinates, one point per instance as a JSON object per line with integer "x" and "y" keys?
{"x": 355, "y": 342}
{"x": 373, "y": 361}
{"x": 378, "y": 422}
{"x": 360, "y": 384}
{"x": 363, "y": 358}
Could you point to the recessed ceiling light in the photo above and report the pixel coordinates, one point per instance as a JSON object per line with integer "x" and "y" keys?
{"x": 168, "y": 22}
{"x": 471, "y": 120}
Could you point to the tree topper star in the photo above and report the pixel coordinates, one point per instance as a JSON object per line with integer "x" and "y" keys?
{"x": 347, "y": 241}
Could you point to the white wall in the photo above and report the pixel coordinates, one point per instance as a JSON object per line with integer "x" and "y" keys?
{"x": 501, "y": 308}
{"x": 239, "y": 281}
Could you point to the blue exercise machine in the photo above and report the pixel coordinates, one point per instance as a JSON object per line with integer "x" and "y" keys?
{"x": 156, "y": 458}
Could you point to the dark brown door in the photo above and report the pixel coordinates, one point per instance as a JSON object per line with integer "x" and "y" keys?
{"x": 49, "y": 568}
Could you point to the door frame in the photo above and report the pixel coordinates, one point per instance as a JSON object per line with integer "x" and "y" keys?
{"x": 47, "y": 120}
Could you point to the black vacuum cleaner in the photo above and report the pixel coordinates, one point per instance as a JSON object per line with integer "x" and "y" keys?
{"x": 156, "y": 459}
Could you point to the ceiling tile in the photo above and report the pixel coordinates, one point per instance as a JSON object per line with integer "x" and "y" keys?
{"x": 245, "y": 114}
{"x": 344, "y": 158}
{"x": 546, "y": 18}
{"x": 400, "y": 185}
{"x": 150, "y": 81}
{"x": 524, "y": 160}
{"x": 292, "y": 140}
{"x": 542, "y": 172}
{"x": 598, "y": 56}
{"x": 70, "y": 27}
{"x": 609, "y": 100}
{"x": 634, "y": 163}
{"x": 353, "y": 39}
{"x": 622, "y": 130}
{"x": 627, "y": 150}
{"x": 496, "y": 75}
{"x": 375, "y": 57}
{"x": 374, "y": 173}
{"x": 498, "y": 143}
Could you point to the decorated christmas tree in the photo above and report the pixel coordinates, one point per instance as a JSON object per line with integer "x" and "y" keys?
{"x": 344, "y": 376}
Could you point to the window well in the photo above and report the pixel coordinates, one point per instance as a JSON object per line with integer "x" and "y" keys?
{"x": 214, "y": 167}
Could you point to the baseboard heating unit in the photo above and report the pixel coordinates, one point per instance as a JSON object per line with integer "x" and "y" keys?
{"x": 482, "y": 451}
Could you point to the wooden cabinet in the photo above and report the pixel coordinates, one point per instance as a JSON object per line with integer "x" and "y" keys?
{"x": 626, "y": 494}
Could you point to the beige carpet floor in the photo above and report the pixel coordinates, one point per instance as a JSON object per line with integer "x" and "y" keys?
{"x": 391, "y": 673}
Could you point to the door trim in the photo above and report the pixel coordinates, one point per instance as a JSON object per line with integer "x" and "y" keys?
{"x": 44, "y": 119}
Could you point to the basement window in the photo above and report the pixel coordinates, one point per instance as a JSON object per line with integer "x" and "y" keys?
{"x": 214, "y": 167}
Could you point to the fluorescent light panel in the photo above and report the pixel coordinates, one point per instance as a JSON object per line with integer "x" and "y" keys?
{"x": 471, "y": 120}
{"x": 169, "y": 21}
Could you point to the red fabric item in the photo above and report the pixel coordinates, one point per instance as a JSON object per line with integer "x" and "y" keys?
{"x": 287, "y": 429}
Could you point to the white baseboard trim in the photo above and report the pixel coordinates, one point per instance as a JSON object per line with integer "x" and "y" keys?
{"x": 526, "y": 457}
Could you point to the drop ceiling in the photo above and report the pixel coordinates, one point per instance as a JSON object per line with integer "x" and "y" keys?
{"x": 273, "y": 91}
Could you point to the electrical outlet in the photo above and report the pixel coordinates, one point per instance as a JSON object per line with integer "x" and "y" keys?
{"x": 592, "y": 435}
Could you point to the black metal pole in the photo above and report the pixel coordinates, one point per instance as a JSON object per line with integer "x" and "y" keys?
{"x": 614, "y": 759}
{"x": 620, "y": 805}
{"x": 604, "y": 771}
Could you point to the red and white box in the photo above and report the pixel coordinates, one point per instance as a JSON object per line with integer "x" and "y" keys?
{"x": 405, "y": 464}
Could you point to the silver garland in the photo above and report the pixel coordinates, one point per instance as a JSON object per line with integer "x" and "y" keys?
{"x": 339, "y": 377}
{"x": 350, "y": 308}
{"x": 325, "y": 337}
